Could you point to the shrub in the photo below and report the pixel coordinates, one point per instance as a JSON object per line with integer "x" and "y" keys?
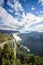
{"x": 7, "y": 56}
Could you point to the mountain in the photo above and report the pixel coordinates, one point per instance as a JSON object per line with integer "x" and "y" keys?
{"x": 8, "y": 31}
{"x": 34, "y": 41}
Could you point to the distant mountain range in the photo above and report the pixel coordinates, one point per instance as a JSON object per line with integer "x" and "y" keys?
{"x": 34, "y": 41}
{"x": 8, "y": 31}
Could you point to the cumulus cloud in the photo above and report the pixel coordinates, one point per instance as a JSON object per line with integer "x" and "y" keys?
{"x": 16, "y": 37}
{"x": 29, "y": 20}
{"x": 38, "y": 28}
{"x": 25, "y": 48}
{"x": 8, "y": 19}
{"x": 16, "y": 7}
{"x": 41, "y": 12}
{"x": 10, "y": 22}
{"x": 40, "y": 1}
{"x": 1, "y": 2}
{"x": 33, "y": 8}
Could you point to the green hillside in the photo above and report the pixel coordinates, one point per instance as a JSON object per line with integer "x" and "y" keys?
{"x": 5, "y": 37}
{"x": 25, "y": 58}
{"x": 7, "y": 56}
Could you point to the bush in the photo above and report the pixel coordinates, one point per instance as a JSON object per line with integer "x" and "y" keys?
{"x": 27, "y": 58}
{"x": 7, "y": 55}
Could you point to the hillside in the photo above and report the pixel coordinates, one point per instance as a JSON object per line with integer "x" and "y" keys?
{"x": 22, "y": 56}
{"x": 34, "y": 41}
{"x": 25, "y": 58}
{"x": 5, "y": 37}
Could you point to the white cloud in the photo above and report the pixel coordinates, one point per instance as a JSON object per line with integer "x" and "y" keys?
{"x": 25, "y": 48}
{"x": 9, "y": 3}
{"x": 8, "y": 19}
{"x": 16, "y": 37}
{"x": 33, "y": 8}
{"x": 41, "y": 12}
{"x": 1, "y": 2}
{"x": 40, "y": 1}
{"x": 12, "y": 23}
{"x": 17, "y": 7}
{"x": 29, "y": 20}
{"x": 38, "y": 28}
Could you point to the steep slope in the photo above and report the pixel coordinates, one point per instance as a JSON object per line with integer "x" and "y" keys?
{"x": 34, "y": 41}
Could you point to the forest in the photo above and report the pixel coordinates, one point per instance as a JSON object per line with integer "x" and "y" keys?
{"x": 7, "y": 56}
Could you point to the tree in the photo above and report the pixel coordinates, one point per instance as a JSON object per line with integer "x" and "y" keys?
{"x": 7, "y": 56}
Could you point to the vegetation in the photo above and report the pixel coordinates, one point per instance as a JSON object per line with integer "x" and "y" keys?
{"x": 24, "y": 58}
{"x": 7, "y": 55}
{"x": 5, "y": 37}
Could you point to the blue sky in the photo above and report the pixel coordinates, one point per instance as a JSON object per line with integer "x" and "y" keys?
{"x": 21, "y": 15}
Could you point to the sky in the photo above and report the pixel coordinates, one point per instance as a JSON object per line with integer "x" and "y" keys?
{"x": 21, "y": 15}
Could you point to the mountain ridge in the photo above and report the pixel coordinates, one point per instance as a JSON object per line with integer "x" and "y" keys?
{"x": 34, "y": 41}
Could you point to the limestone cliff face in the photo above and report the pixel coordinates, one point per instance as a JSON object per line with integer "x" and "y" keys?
{"x": 14, "y": 46}
{"x": 12, "y": 43}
